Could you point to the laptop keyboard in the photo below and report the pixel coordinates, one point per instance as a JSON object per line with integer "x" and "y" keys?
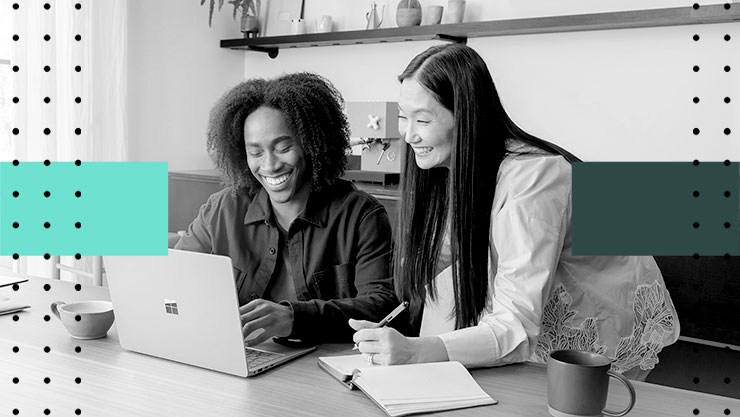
{"x": 256, "y": 358}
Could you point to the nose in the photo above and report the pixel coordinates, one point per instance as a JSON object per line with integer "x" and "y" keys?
{"x": 271, "y": 163}
{"x": 409, "y": 134}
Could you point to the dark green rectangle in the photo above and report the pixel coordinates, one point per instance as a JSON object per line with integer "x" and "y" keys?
{"x": 639, "y": 208}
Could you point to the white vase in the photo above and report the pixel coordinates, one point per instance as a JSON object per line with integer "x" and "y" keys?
{"x": 250, "y": 26}
{"x": 325, "y": 24}
{"x": 455, "y": 11}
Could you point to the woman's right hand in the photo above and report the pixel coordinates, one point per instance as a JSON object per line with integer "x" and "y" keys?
{"x": 389, "y": 347}
{"x": 386, "y": 345}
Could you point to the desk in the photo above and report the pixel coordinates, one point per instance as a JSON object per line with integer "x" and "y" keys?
{"x": 120, "y": 383}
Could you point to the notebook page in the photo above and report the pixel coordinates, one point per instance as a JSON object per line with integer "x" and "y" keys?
{"x": 10, "y": 306}
{"x": 9, "y": 278}
{"x": 420, "y": 383}
{"x": 346, "y": 364}
{"x": 406, "y": 409}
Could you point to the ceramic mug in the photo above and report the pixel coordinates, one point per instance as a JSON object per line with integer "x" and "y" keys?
{"x": 325, "y": 24}
{"x": 434, "y": 15}
{"x": 578, "y": 383}
{"x": 456, "y": 11}
{"x": 298, "y": 26}
{"x": 85, "y": 319}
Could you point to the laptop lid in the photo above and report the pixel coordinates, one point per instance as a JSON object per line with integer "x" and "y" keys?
{"x": 182, "y": 307}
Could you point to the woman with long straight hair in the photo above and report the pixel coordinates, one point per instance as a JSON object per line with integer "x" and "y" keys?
{"x": 484, "y": 247}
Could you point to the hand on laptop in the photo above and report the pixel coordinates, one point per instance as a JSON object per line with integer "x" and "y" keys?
{"x": 275, "y": 319}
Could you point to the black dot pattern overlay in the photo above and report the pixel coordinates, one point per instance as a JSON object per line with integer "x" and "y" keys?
{"x": 718, "y": 120}
{"x": 710, "y": 368}
{"x": 698, "y": 194}
{"x": 41, "y": 378}
{"x": 46, "y": 129}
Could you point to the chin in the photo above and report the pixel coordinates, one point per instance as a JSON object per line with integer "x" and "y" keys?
{"x": 279, "y": 197}
{"x": 425, "y": 164}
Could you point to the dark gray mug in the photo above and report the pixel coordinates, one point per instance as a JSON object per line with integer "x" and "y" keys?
{"x": 578, "y": 383}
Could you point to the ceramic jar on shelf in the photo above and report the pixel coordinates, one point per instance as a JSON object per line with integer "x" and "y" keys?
{"x": 408, "y": 13}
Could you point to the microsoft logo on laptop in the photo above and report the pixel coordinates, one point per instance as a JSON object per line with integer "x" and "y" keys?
{"x": 170, "y": 307}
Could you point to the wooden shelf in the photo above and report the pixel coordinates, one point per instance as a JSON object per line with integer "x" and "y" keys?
{"x": 460, "y": 32}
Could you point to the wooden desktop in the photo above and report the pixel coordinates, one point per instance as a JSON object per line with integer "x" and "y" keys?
{"x": 114, "y": 382}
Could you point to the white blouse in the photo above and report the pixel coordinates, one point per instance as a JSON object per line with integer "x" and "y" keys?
{"x": 541, "y": 297}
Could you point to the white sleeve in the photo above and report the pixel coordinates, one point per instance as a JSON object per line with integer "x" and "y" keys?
{"x": 529, "y": 222}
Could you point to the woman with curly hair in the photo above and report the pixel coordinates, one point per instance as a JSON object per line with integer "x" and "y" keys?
{"x": 309, "y": 250}
{"x": 487, "y": 240}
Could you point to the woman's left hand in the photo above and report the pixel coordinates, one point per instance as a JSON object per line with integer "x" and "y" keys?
{"x": 386, "y": 345}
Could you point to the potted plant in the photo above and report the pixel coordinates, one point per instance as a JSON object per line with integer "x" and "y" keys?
{"x": 250, "y": 23}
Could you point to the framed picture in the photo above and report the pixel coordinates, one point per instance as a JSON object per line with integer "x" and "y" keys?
{"x": 277, "y": 15}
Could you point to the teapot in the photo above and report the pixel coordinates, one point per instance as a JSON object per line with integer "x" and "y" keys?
{"x": 372, "y": 16}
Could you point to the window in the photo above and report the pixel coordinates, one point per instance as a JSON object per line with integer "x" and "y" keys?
{"x": 6, "y": 72}
{"x": 6, "y": 262}
{"x": 170, "y": 307}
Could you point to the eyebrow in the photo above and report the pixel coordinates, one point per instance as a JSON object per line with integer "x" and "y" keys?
{"x": 417, "y": 111}
{"x": 278, "y": 140}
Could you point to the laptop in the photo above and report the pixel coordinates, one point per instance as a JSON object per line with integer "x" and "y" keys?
{"x": 184, "y": 307}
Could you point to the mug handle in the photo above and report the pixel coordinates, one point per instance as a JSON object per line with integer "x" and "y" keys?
{"x": 55, "y": 308}
{"x": 621, "y": 378}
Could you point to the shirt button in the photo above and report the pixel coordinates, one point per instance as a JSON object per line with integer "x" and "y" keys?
{"x": 271, "y": 251}
{"x": 253, "y": 297}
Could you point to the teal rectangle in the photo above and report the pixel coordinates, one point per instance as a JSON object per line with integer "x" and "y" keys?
{"x": 122, "y": 208}
{"x": 649, "y": 208}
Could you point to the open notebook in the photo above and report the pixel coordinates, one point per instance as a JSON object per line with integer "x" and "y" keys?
{"x": 7, "y": 305}
{"x": 401, "y": 390}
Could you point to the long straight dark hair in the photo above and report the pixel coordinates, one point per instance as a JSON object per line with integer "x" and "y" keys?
{"x": 458, "y": 78}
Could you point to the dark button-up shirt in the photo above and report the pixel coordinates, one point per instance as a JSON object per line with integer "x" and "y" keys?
{"x": 339, "y": 255}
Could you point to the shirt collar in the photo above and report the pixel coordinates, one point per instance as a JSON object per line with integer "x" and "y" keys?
{"x": 260, "y": 210}
{"x": 316, "y": 212}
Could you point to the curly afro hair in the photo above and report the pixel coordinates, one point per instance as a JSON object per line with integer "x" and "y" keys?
{"x": 313, "y": 109}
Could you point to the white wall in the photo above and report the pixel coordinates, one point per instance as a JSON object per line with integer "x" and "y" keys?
{"x": 176, "y": 72}
{"x": 605, "y": 95}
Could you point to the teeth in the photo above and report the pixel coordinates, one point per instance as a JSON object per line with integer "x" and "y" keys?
{"x": 423, "y": 151}
{"x": 275, "y": 181}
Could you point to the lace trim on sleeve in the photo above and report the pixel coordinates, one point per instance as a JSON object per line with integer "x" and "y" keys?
{"x": 653, "y": 318}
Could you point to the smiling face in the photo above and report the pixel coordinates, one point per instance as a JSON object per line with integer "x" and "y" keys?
{"x": 425, "y": 124}
{"x": 276, "y": 158}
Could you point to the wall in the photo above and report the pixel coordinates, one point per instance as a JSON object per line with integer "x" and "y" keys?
{"x": 176, "y": 73}
{"x": 605, "y": 95}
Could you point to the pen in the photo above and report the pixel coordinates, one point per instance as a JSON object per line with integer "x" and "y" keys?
{"x": 387, "y": 319}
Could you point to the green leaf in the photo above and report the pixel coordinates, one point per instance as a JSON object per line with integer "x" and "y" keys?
{"x": 210, "y": 13}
